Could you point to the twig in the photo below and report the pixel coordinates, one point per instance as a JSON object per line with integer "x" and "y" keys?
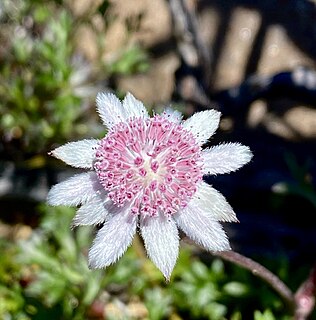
{"x": 192, "y": 49}
{"x": 194, "y": 72}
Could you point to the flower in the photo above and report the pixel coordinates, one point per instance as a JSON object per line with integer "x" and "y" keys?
{"x": 146, "y": 174}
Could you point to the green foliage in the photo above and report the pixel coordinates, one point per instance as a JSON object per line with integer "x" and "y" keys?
{"x": 223, "y": 291}
{"x": 158, "y": 303}
{"x": 267, "y": 315}
{"x": 196, "y": 283}
{"x": 62, "y": 280}
{"x": 12, "y": 301}
{"x": 131, "y": 61}
{"x": 38, "y": 102}
{"x": 57, "y": 284}
{"x": 46, "y": 86}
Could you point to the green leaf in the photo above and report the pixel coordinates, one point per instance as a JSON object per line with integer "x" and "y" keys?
{"x": 266, "y": 315}
{"x": 158, "y": 303}
{"x": 200, "y": 270}
{"x": 235, "y": 289}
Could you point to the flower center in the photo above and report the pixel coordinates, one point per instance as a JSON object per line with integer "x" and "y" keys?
{"x": 153, "y": 164}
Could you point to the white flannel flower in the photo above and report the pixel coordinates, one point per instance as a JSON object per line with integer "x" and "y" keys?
{"x": 146, "y": 174}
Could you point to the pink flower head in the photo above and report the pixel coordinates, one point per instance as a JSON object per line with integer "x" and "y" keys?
{"x": 147, "y": 173}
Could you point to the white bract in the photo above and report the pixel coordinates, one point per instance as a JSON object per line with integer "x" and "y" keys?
{"x": 146, "y": 174}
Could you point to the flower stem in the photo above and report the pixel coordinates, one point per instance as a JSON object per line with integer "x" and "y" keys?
{"x": 261, "y": 272}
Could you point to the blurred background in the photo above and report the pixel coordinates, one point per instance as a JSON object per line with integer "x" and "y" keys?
{"x": 252, "y": 60}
